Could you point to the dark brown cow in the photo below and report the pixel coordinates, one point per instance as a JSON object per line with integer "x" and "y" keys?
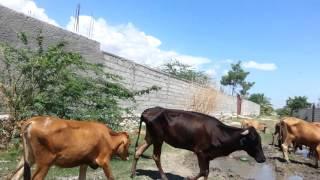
{"x": 277, "y": 131}
{"x": 51, "y": 141}
{"x": 204, "y": 135}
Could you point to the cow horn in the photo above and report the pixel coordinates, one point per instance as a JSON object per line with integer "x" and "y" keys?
{"x": 246, "y": 132}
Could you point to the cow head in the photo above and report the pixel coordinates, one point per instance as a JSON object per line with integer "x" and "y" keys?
{"x": 251, "y": 143}
{"x": 123, "y": 148}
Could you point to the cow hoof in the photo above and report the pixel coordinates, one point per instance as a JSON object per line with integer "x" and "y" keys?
{"x": 164, "y": 178}
{"x": 132, "y": 175}
{"x": 189, "y": 178}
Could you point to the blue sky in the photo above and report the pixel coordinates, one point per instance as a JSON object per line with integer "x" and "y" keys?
{"x": 278, "y": 41}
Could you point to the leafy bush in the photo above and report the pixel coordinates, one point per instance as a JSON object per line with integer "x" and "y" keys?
{"x": 53, "y": 81}
{"x": 184, "y": 71}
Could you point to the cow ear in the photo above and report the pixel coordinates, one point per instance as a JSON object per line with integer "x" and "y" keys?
{"x": 244, "y": 133}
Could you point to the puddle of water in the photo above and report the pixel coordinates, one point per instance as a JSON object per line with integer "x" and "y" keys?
{"x": 295, "y": 178}
{"x": 256, "y": 171}
{"x": 264, "y": 173}
{"x": 304, "y": 152}
{"x": 244, "y": 169}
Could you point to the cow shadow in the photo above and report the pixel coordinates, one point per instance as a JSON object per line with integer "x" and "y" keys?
{"x": 154, "y": 174}
{"x": 292, "y": 161}
{"x": 303, "y": 163}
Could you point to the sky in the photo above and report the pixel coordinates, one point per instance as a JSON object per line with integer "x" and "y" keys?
{"x": 278, "y": 42}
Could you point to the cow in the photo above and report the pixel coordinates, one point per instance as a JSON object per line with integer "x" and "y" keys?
{"x": 277, "y": 131}
{"x": 51, "y": 141}
{"x": 202, "y": 134}
{"x": 301, "y": 132}
{"x": 254, "y": 123}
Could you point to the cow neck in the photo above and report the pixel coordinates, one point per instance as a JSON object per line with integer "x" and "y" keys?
{"x": 116, "y": 141}
{"x": 231, "y": 140}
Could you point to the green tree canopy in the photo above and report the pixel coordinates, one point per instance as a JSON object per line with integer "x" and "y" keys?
{"x": 56, "y": 82}
{"x": 236, "y": 78}
{"x": 186, "y": 72}
{"x": 263, "y": 101}
{"x": 296, "y": 103}
{"x": 285, "y": 111}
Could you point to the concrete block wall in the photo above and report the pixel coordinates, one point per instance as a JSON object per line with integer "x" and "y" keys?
{"x": 174, "y": 93}
{"x": 12, "y": 23}
{"x": 306, "y": 114}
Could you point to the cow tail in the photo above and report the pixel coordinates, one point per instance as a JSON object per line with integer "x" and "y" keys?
{"x": 140, "y": 125}
{"x": 26, "y": 171}
{"x": 27, "y": 149}
{"x": 283, "y": 131}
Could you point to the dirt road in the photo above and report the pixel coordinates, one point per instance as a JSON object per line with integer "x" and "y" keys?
{"x": 179, "y": 164}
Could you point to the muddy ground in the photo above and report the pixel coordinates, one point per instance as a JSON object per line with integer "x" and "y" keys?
{"x": 237, "y": 166}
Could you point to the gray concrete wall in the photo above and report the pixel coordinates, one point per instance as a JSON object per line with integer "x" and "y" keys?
{"x": 174, "y": 93}
{"x": 306, "y": 114}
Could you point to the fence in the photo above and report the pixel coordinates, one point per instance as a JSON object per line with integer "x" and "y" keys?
{"x": 308, "y": 114}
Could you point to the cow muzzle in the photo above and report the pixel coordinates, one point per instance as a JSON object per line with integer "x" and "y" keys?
{"x": 260, "y": 159}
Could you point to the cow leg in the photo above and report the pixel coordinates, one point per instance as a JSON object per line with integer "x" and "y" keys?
{"x": 19, "y": 169}
{"x": 204, "y": 167}
{"x": 285, "y": 147}
{"x": 103, "y": 161}
{"x": 107, "y": 171}
{"x": 83, "y": 172}
{"x": 139, "y": 151}
{"x": 17, "y": 174}
{"x": 279, "y": 142}
{"x": 41, "y": 172}
{"x": 157, "y": 159}
{"x": 317, "y": 155}
{"x": 272, "y": 143}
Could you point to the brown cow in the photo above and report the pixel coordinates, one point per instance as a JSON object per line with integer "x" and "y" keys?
{"x": 300, "y": 132}
{"x": 51, "y": 141}
{"x": 278, "y": 131}
{"x": 204, "y": 135}
{"x": 254, "y": 123}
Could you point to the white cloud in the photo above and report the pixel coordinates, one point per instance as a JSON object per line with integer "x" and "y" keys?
{"x": 127, "y": 41}
{"x": 29, "y": 8}
{"x": 260, "y": 66}
{"x": 124, "y": 40}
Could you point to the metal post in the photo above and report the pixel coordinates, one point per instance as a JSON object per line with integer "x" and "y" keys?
{"x": 313, "y": 111}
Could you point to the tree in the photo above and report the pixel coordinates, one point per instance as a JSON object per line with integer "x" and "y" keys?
{"x": 263, "y": 101}
{"x": 236, "y": 78}
{"x": 55, "y": 82}
{"x": 246, "y": 86}
{"x": 285, "y": 111}
{"x": 296, "y": 103}
{"x": 186, "y": 72}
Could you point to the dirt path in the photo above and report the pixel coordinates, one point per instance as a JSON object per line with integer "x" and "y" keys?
{"x": 179, "y": 164}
